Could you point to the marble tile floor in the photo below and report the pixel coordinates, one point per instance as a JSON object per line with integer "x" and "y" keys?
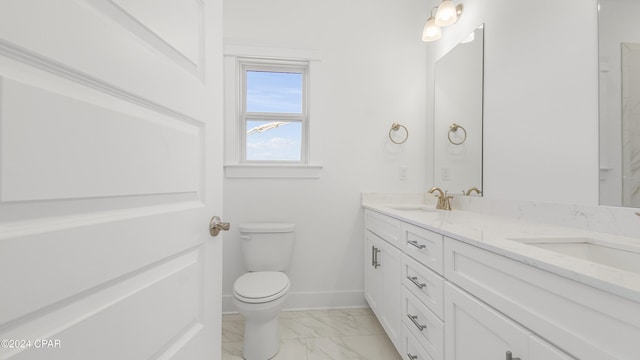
{"x": 337, "y": 334}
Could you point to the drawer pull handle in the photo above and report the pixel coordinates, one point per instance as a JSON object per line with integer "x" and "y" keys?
{"x": 510, "y": 356}
{"x": 415, "y": 243}
{"x": 414, "y": 280}
{"x": 414, "y": 320}
{"x": 412, "y": 357}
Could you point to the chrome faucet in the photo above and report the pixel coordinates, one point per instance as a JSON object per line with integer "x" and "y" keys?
{"x": 444, "y": 198}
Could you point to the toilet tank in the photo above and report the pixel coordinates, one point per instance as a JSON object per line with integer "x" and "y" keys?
{"x": 267, "y": 246}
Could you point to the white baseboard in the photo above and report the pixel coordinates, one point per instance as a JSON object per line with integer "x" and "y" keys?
{"x": 311, "y": 300}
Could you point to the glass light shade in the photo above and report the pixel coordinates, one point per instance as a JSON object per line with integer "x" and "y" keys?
{"x": 446, "y": 14}
{"x": 431, "y": 32}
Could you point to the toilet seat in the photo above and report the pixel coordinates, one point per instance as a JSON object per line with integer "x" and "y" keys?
{"x": 261, "y": 286}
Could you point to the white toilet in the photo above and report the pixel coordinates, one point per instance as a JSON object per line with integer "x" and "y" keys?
{"x": 261, "y": 293}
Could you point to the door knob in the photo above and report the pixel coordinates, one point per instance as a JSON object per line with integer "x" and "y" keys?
{"x": 216, "y": 224}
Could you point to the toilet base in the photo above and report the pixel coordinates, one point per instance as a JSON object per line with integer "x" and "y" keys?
{"x": 261, "y": 340}
{"x": 261, "y": 331}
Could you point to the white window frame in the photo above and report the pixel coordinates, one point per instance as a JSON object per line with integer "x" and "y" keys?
{"x": 271, "y": 65}
{"x": 234, "y": 50}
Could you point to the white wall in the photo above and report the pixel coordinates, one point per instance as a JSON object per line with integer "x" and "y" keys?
{"x": 541, "y": 99}
{"x": 540, "y": 118}
{"x": 371, "y": 67}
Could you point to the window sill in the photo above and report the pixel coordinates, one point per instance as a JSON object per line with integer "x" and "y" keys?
{"x": 272, "y": 171}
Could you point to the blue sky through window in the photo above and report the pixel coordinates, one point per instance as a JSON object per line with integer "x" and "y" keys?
{"x": 273, "y": 92}
{"x": 281, "y": 143}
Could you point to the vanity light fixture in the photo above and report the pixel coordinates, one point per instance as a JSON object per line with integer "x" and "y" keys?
{"x": 446, "y": 14}
{"x": 431, "y": 32}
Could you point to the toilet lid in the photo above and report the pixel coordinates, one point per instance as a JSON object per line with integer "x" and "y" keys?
{"x": 261, "y": 286}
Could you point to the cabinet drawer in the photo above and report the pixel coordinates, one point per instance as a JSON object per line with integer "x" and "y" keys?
{"x": 411, "y": 348}
{"x": 384, "y": 226}
{"x": 425, "y": 284}
{"x": 583, "y": 321}
{"x": 423, "y": 245}
{"x": 423, "y": 324}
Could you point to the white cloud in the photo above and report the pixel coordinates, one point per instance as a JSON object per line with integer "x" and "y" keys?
{"x": 275, "y": 148}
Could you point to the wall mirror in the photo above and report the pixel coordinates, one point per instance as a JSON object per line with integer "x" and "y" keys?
{"x": 619, "y": 51}
{"x": 458, "y": 116}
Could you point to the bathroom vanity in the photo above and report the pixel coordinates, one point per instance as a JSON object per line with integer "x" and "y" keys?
{"x": 462, "y": 285}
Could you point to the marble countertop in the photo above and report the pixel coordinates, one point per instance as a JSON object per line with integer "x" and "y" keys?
{"x": 493, "y": 233}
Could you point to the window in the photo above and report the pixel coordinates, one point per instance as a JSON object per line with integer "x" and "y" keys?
{"x": 267, "y": 97}
{"x": 273, "y": 111}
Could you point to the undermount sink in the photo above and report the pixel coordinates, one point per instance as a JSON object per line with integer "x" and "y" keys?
{"x": 412, "y": 207}
{"x": 596, "y": 251}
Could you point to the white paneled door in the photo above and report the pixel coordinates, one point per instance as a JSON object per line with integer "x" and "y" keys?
{"x": 110, "y": 169}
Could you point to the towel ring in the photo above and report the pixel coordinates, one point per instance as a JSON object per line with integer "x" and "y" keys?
{"x": 395, "y": 127}
{"x": 453, "y": 128}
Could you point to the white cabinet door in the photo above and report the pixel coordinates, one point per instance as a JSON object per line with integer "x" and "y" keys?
{"x": 383, "y": 271}
{"x": 110, "y": 169}
{"x": 390, "y": 268}
{"x": 372, "y": 281}
{"x": 474, "y": 331}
